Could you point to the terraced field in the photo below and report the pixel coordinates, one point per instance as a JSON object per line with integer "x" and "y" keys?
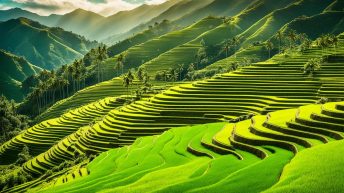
{"x": 111, "y": 88}
{"x": 43, "y": 135}
{"x": 257, "y": 89}
{"x": 250, "y": 123}
{"x": 139, "y": 54}
{"x": 184, "y": 54}
{"x": 217, "y": 157}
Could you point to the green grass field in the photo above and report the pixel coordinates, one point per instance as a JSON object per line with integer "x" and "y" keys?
{"x": 252, "y": 122}
{"x": 214, "y": 158}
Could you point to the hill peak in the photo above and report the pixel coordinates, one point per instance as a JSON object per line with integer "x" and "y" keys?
{"x": 80, "y": 11}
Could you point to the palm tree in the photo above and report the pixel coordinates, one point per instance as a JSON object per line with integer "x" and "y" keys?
{"x": 279, "y": 36}
{"x": 41, "y": 90}
{"x": 140, "y": 72}
{"x": 331, "y": 40}
{"x": 312, "y": 65}
{"x": 335, "y": 43}
{"x": 120, "y": 62}
{"x": 128, "y": 80}
{"x": 37, "y": 95}
{"x": 198, "y": 60}
{"x": 226, "y": 48}
{"x": 180, "y": 70}
{"x": 302, "y": 37}
{"x": 235, "y": 41}
{"x": 70, "y": 71}
{"x": 292, "y": 37}
{"x": 83, "y": 72}
{"x": 323, "y": 42}
{"x": 175, "y": 75}
{"x": 191, "y": 70}
{"x": 164, "y": 75}
{"x": 269, "y": 46}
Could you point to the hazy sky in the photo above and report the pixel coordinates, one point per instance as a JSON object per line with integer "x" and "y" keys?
{"x": 47, "y": 7}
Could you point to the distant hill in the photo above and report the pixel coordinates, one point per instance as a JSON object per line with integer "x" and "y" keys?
{"x": 79, "y": 21}
{"x": 16, "y": 13}
{"x": 332, "y": 22}
{"x": 46, "y": 47}
{"x": 188, "y": 12}
{"x": 271, "y": 23}
{"x": 175, "y": 12}
{"x": 92, "y": 25}
{"x": 14, "y": 69}
{"x": 125, "y": 20}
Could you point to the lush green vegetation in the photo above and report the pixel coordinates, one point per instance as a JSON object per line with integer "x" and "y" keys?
{"x": 45, "y": 47}
{"x": 221, "y": 157}
{"x": 15, "y": 69}
{"x": 228, "y": 96}
{"x": 11, "y": 123}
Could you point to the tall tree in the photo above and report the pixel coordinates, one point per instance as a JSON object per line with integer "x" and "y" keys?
{"x": 292, "y": 35}
{"x": 226, "y": 48}
{"x": 312, "y": 65}
{"x": 127, "y": 81}
{"x": 120, "y": 62}
{"x": 180, "y": 70}
{"x": 269, "y": 46}
{"x": 70, "y": 71}
{"x": 191, "y": 70}
{"x": 234, "y": 43}
{"x": 279, "y": 36}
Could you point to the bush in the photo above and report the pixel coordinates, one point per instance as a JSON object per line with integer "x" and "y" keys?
{"x": 322, "y": 100}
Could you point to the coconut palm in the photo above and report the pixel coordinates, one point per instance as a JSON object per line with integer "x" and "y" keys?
{"x": 102, "y": 55}
{"x": 292, "y": 38}
{"x": 120, "y": 62}
{"x": 279, "y": 35}
{"x": 70, "y": 70}
{"x": 323, "y": 42}
{"x": 140, "y": 72}
{"x": 180, "y": 70}
{"x": 128, "y": 80}
{"x": 198, "y": 60}
{"x": 234, "y": 43}
{"x": 83, "y": 72}
{"x": 175, "y": 75}
{"x": 191, "y": 70}
{"x": 333, "y": 41}
{"x": 226, "y": 48}
{"x": 302, "y": 37}
{"x": 312, "y": 65}
{"x": 269, "y": 46}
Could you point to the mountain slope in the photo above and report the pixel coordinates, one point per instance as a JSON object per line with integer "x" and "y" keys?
{"x": 79, "y": 21}
{"x": 181, "y": 54}
{"x": 46, "y": 47}
{"x": 139, "y": 54}
{"x": 193, "y": 12}
{"x": 333, "y": 22}
{"x": 16, "y": 13}
{"x": 271, "y": 23}
{"x": 92, "y": 25}
{"x": 174, "y": 12}
{"x": 216, "y": 8}
{"x": 14, "y": 69}
{"x": 126, "y": 20}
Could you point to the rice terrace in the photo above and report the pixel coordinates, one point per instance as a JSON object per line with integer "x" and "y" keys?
{"x": 172, "y": 96}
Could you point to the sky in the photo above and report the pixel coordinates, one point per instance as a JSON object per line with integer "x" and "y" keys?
{"x": 47, "y": 7}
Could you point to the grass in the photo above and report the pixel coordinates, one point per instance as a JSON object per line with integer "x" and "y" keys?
{"x": 322, "y": 165}
{"x": 172, "y": 162}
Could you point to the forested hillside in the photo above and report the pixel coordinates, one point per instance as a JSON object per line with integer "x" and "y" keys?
{"x": 182, "y": 96}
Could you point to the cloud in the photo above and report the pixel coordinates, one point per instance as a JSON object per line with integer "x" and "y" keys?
{"x": 104, "y": 7}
